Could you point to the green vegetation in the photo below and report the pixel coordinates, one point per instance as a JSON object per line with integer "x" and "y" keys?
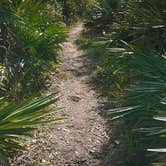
{"x": 31, "y": 35}
{"x": 126, "y": 42}
{"x": 16, "y": 122}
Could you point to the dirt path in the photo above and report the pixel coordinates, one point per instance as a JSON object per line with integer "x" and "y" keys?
{"x": 77, "y": 142}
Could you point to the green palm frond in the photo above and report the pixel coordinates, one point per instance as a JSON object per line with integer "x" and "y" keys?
{"x": 17, "y": 121}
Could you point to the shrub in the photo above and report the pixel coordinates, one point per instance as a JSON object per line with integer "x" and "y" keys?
{"x": 130, "y": 59}
{"x": 30, "y": 41}
{"x": 16, "y": 122}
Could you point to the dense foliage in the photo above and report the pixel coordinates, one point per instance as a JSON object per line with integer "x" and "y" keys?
{"x": 129, "y": 54}
{"x": 16, "y": 122}
{"x": 30, "y": 37}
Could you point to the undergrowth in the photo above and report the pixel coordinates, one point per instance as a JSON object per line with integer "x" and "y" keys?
{"x": 125, "y": 41}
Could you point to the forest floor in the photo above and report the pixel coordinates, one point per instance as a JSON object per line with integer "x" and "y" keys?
{"x": 79, "y": 140}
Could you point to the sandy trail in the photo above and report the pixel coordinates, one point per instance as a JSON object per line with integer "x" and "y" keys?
{"x": 78, "y": 141}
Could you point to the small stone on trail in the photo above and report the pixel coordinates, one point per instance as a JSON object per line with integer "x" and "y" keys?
{"x": 75, "y": 98}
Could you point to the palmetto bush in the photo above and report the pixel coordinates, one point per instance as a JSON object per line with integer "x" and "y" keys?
{"x": 16, "y": 122}
{"x": 31, "y": 37}
{"x": 143, "y": 103}
{"x": 100, "y": 17}
{"x": 131, "y": 21}
{"x": 130, "y": 57}
{"x": 143, "y": 24}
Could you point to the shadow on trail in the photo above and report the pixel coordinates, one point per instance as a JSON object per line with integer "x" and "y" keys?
{"x": 117, "y": 149}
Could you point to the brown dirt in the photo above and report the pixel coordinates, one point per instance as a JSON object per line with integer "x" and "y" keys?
{"x": 78, "y": 141}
